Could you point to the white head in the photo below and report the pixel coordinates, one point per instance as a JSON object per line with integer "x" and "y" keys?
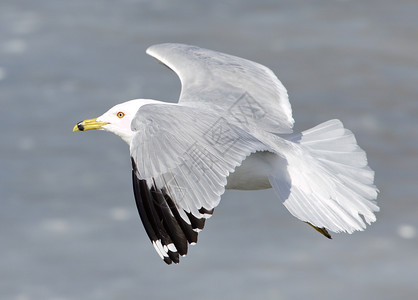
{"x": 116, "y": 120}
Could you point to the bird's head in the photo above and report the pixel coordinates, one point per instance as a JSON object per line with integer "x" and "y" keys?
{"x": 116, "y": 120}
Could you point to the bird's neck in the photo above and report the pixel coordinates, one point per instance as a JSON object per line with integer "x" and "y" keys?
{"x": 127, "y": 136}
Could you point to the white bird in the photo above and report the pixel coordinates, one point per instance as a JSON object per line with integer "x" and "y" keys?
{"x": 232, "y": 128}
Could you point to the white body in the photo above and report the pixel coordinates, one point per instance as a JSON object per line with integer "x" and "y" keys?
{"x": 254, "y": 172}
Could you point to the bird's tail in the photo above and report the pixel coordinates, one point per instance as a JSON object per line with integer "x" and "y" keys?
{"x": 325, "y": 180}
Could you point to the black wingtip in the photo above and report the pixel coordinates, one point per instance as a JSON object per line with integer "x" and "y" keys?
{"x": 203, "y": 210}
{"x": 167, "y": 230}
{"x": 167, "y": 260}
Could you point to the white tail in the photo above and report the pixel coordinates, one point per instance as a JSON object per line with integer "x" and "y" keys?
{"x": 328, "y": 182}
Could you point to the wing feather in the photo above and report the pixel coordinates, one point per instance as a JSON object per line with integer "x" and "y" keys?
{"x": 181, "y": 158}
{"x": 246, "y": 90}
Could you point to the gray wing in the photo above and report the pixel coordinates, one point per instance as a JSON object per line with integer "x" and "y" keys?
{"x": 181, "y": 159}
{"x": 243, "y": 89}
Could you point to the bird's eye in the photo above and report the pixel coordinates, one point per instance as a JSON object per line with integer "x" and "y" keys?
{"x": 120, "y": 115}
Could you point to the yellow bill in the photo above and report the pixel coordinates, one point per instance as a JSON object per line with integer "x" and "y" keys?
{"x": 89, "y": 125}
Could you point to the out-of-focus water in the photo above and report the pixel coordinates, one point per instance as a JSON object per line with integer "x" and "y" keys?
{"x": 68, "y": 223}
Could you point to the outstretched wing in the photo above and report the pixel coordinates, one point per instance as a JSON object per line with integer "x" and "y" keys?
{"x": 181, "y": 159}
{"x": 244, "y": 89}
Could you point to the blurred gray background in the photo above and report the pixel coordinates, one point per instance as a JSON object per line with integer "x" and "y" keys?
{"x": 68, "y": 222}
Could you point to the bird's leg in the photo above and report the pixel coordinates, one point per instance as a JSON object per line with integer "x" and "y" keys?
{"x": 322, "y": 230}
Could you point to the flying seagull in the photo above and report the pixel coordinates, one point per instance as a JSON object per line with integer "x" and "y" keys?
{"x": 232, "y": 129}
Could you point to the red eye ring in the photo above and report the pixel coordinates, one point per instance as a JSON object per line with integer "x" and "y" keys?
{"x": 120, "y": 115}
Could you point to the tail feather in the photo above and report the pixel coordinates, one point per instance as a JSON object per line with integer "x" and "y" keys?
{"x": 329, "y": 183}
